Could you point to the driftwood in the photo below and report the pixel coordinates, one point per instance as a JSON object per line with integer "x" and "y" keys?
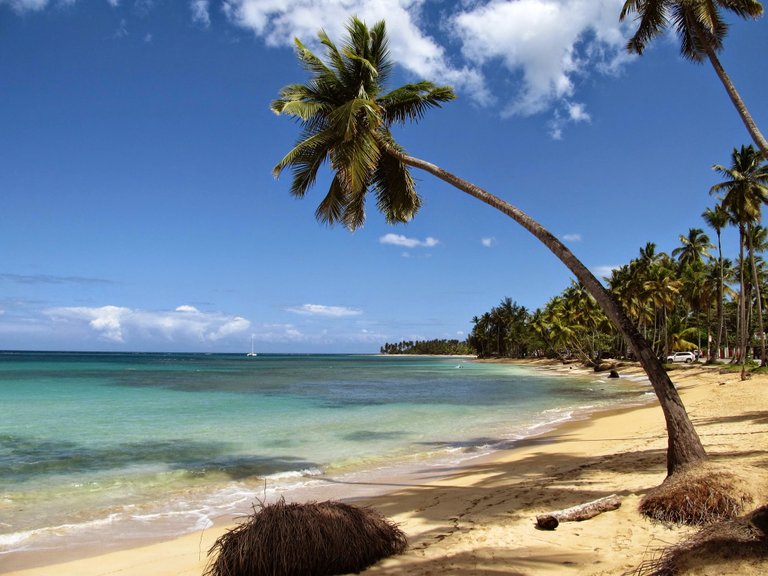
{"x": 578, "y": 513}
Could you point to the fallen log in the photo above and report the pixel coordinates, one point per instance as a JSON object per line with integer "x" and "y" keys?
{"x": 578, "y": 513}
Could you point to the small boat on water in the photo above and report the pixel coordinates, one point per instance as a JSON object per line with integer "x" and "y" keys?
{"x": 251, "y": 353}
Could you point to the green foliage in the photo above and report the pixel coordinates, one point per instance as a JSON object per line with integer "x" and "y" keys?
{"x": 436, "y": 347}
{"x": 346, "y": 117}
{"x": 505, "y": 331}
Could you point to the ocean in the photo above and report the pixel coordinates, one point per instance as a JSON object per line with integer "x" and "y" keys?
{"x": 110, "y": 449}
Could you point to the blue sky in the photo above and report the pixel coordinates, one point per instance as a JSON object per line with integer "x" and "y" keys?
{"x": 138, "y": 210}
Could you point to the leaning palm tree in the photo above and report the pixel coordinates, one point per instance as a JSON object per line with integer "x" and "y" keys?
{"x": 745, "y": 190}
{"x": 346, "y": 117}
{"x": 702, "y": 29}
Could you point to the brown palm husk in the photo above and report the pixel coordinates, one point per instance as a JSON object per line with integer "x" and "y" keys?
{"x": 698, "y": 495}
{"x": 307, "y": 539}
{"x": 736, "y": 541}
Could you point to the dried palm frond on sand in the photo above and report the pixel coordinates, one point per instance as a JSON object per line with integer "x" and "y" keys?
{"x": 698, "y": 495}
{"x": 720, "y": 546}
{"x": 305, "y": 539}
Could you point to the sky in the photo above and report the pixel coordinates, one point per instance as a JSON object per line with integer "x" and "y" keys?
{"x": 139, "y": 212}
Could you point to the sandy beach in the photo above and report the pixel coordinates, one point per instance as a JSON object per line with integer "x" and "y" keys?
{"x": 480, "y": 519}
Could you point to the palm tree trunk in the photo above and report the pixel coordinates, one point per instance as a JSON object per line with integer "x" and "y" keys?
{"x": 758, "y": 296}
{"x": 720, "y": 314}
{"x": 742, "y": 305}
{"x": 684, "y": 446}
{"x": 738, "y": 103}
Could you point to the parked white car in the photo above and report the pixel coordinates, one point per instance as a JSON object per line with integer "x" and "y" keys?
{"x": 686, "y": 357}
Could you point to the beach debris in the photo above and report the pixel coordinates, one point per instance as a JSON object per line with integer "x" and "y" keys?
{"x": 585, "y": 511}
{"x": 740, "y": 540}
{"x": 698, "y": 494}
{"x": 305, "y": 539}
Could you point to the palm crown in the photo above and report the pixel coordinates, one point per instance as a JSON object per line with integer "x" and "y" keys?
{"x": 698, "y": 23}
{"x": 346, "y": 119}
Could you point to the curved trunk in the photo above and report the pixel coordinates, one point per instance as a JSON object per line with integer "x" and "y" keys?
{"x": 738, "y": 103}
{"x": 684, "y": 446}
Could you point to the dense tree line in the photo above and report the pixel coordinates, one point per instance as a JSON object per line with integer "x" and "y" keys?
{"x": 437, "y": 347}
{"x": 693, "y": 298}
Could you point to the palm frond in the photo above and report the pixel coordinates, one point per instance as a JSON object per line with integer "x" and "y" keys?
{"x": 395, "y": 190}
{"x": 308, "y": 147}
{"x": 335, "y": 58}
{"x": 354, "y": 117}
{"x": 331, "y": 209}
{"x": 354, "y": 212}
{"x": 743, "y": 8}
{"x": 379, "y": 51}
{"x": 309, "y": 60}
{"x": 411, "y": 102}
{"x": 355, "y": 160}
{"x": 652, "y": 15}
{"x": 305, "y": 169}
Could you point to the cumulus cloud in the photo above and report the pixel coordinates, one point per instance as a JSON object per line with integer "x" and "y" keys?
{"x": 278, "y": 22}
{"x": 400, "y": 240}
{"x": 543, "y": 46}
{"x": 572, "y": 237}
{"x": 120, "y": 324}
{"x": 322, "y": 310}
{"x": 548, "y": 44}
{"x": 487, "y": 242}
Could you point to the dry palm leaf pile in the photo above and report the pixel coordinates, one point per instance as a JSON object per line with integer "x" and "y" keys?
{"x": 307, "y": 539}
{"x": 733, "y": 542}
{"x": 698, "y": 495}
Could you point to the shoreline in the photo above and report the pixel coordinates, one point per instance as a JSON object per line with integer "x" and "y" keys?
{"x": 467, "y": 519}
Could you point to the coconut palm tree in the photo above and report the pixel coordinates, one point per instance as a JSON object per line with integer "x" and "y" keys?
{"x": 717, "y": 219}
{"x": 745, "y": 190}
{"x": 693, "y": 248}
{"x": 346, "y": 117}
{"x": 702, "y": 29}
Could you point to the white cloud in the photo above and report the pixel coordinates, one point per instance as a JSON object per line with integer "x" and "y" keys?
{"x": 400, "y": 240}
{"x": 572, "y": 237}
{"x": 548, "y": 43}
{"x": 22, "y": 6}
{"x": 123, "y": 325}
{"x": 487, "y": 242}
{"x": 604, "y": 271}
{"x": 200, "y": 12}
{"x": 322, "y": 310}
{"x": 577, "y": 112}
{"x": 280, "y": 21}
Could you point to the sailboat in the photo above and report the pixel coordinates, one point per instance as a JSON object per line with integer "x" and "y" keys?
{"x": 251, "y": 353}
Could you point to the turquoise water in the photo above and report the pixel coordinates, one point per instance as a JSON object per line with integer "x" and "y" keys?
{"x": 135, "y": 445}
